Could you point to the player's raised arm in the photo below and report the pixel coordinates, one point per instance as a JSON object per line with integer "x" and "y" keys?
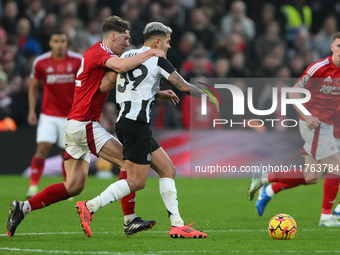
{"x": 33, "y": 91}
{"x": 311, "y": 121}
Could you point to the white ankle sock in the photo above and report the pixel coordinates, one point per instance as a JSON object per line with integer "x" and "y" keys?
{"x": 169, "y": 195}
{"x": 26, "y": 208}
{"x": 114, "y": 192}
{"x": 325, "y": 217}
{"x": 128, "y": 218}
{"x": 269, "y": 191}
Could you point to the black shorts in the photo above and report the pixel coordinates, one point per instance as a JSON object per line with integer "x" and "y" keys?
{"x": 137, "y": 140}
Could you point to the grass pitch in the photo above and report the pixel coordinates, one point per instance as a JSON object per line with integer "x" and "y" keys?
{"x": 218, "y": 206}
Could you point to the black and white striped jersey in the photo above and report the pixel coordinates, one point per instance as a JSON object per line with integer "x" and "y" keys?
{"x": 137, "y": 88}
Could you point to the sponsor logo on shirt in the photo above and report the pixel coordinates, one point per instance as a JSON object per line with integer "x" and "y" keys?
{"x": 328, "y": 89}
{"x": 60, "y": 78}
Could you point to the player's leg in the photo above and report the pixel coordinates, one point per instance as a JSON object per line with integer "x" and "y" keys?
{"x": 268, "y": 191}
{"x": 47, "y": 133}
{"x": 111, "y": 150}
{"x": 331, "y": 187}
{"x": 163, "y": 165}
{"x": 77, "y": 170}
{"x": 37, "y": 167}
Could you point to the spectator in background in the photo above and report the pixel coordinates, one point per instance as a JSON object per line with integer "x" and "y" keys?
{"x": 324, "y": 37}
{"x": 19, "y": 96}
{"x": 87, "y": 11}
{"x": 197, "y": 63}
{"x": 14, "y": 63}
{"x": 268, "y": 67}
{"x": 3, "y": 45}
{"x": 5, "y": 100}
{"x": 200, "y": 25}
{"x": 131, "y": 14}
{"x": 267, "y": 15}
{"x": 238, "y": 68}
{"x": 48, "y": 25}
{"x": 28, "y": 46}
{"x": 185, "y": 46}
{"x": 221, "y": 68}
{"x": 297, "y": 15}
{"x": 238, "y": 14}
{"x": 265, "y": 43}
{"x": 297, "y": 65}
{"x": 10, "y": 17}
{"x": 303, "y": 45}
{"x": 35, "y": 13}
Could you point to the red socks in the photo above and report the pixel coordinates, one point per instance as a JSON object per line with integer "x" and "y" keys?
{"x": 330, "y": 190}
{"x": 37, "y": 167}
{"x": 127, "y": 202}
{"x": 51, "y": 194}
{"x": 291, "y": 177}
{"x": 278, "y": 186}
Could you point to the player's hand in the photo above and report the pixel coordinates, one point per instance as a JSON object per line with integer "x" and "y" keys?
{"x": 168, "y": 95}
{"x": 32, "y": 119}
{"x": 312, "y": 122}
{"x": 157, "y": 53}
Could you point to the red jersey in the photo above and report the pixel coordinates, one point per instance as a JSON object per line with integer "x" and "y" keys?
{"x": 324, "y": 88}
{"x": 88, "y": 99}
{"x": 58, "y": 81}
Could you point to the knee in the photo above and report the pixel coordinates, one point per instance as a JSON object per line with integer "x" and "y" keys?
{"x": 311, "y": 180}
{"x": 74, "y": 189}
{"x": 172, "y": 172}
{"x": 136, "y": 184}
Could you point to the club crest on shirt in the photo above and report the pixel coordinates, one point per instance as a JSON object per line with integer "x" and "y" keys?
{"x": 305, "y": 79}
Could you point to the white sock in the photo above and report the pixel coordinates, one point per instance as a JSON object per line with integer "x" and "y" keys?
{"x": 128, "y": 218}
{"x": 264, "y": 178}
{"x": 114, "y": 192}
{"x": 26, "y": 208}
{"x": 169, "y": 195}
{"x": 325, "y": 217}
{"x": 337, "y": 209}
{"x": 269, "y": 191}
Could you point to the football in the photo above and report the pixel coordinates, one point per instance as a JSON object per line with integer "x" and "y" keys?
{"x": 282, "y": 227}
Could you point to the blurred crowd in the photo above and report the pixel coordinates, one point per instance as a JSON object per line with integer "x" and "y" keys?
{"x": 210, "y": 39}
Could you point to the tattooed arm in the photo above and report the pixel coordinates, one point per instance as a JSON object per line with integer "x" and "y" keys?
{"x": 177, "y": 80}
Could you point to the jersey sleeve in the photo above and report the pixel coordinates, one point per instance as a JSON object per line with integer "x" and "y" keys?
{"x": 166, "y": 68}
{"x": 36, "y": 72}
{"x": 102, "y": 55}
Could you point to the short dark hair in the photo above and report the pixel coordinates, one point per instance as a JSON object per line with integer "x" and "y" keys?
{"x": 115, "y": 24}
{"x": 155, "y": 29}
{"x": 336, "y": 36}
{"x": 58, "y": 32}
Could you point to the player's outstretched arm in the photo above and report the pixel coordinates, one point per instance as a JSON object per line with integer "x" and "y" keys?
{"x": 311, "y": 121}
{"x": 177, "y": 80}
{"x": 122, "y": 65}
{"x": 108, "y": 81}
{"x": 33, "y": 91}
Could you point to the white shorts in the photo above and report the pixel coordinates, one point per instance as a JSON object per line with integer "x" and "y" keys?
{"x": 51, "y": 129}
{"x": 83, "y": 138}
{"x": 320, "y": 142}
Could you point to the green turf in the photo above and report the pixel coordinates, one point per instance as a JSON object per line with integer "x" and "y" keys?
{"x": 218, "y": 206}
